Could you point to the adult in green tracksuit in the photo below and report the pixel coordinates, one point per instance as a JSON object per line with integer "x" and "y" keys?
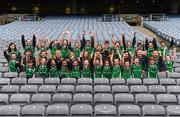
{"x": 53, "y": 73}
{"x": 126, "y": 71}
{"x": 137, "y": 69}
{"x": 152, "y": 69}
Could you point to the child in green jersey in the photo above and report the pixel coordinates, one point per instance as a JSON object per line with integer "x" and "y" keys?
{"x": 42, "y": 68}
{"x": 86, "y": 71}
{"x": 64, "y": 72}
{"x": 75, "y": 69}
{"x": 52, "y": 68}
{"x": 107, "y": 73}
{"x": 137, "y": 69}
{"x": 116, "y": 69}
{"x": 65, "y": 49}
{"x": 126, "y": 72}
{"x": 169, "y": 64}
{"x": 30, "y": 70}
{"x": 13, "y": 63}
{"x": 152, "y": 68}
{"x": 97, "y": 66}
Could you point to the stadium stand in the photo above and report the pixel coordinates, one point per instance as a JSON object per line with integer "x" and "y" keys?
{"x": 102, "y": 97}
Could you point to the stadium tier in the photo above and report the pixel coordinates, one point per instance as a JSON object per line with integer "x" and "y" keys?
{"x": 80, "y": 66}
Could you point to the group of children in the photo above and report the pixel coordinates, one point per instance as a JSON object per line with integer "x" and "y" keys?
{"x": 86, "y": 59}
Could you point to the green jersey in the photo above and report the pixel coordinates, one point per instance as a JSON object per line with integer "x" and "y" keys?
{"x": 126, "y": 73}
{"x": 116, "y": 71}
{"x": 169, "y": 66}
{"x": 161, "y": 51}
{"x": 75, "y": 72}
{"x": 88, "y": 49}
{"x": 65, "y": 52}
{"x": 53, "y": 51}
{"x": 86, "y": 72}
{"x": 53, "y": 72}
{"x": 130, "y": 50}
{"x": 152, "y": 71}
{"x": 18, "y": 54}
{"x": 64, "y": 72}
{"x": 98, "y": 71}
{"x": 116, "y": 56}
{"x": 30, "y": 72}
{"x": 137, "y": 71}
{"x": 12, "y": 66}
{"x": 43, "y": 71}
{"x": 77, "y": 52}
{"x": 150, "y": 52}
{"x": 107, "y": 71}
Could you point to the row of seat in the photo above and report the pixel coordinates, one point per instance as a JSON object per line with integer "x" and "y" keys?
{"x": 88, "y": 81}
{"x": 87, "y": 110}
{"x": 87, "y": 98}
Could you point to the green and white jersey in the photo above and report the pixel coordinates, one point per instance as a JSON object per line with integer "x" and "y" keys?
{"x": 98, "y": 71}
{"x": 64, "y": 72}
{"x": 169, "y": 66}
{"x": 106, "y": 71}
{"x": 150, "y": 52}
{"x": 53, "y": 51}
{"x": 126, "y": 73}
{"x": 137, "y": 71}
{"x": 75, "y": 72}
{"x": 53, "y": 72}
{"x": 77, "y": 52}
{"x": 86, "y": 72}
{"x": 12, "y": 66}
{"x": 43, "y": 71}
{"x": 30, "y": 72}
{"x": 161, "y": 51}
{"x": 152, "y": 71}
{"x": 116, "y": 71}
{"x": 88, "y": 49}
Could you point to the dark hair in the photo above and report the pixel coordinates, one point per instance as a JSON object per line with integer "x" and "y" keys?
{"x": 9, "y": 49}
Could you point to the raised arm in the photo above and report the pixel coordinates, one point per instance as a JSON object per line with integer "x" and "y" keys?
{"x": 23, "y": 41}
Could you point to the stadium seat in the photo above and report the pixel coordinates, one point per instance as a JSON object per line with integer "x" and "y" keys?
{"x": 18, "y": 81}
{"x": 173, "y": 110}
{"x": 20, "y": 99}
{"x": 65, "y": 89}
{"x": 124, "y": 98}
{"x": 10, "y": 110}
{"x": 85, "y": 98}
{"x": 57, "y": 110}
{"x": 65, "y": 98}
{"x": 84, "y": 89}
{"x": 4, "y": 98}
{"x": 103, "y": 98}
{"x": 33, "y": 110}
{"x": 129, "y": 110}
{"x": 41, "y": 99}
{"x": 105, "y": 110}
{"x": 81, "y": 110}
{"x": 30, "y": 89}
{"x": 153, "y": 110}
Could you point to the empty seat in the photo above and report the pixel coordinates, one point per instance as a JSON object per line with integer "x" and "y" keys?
{"x": 35, "y": 81}
{"x": 153, "y": 110}
{"x": 102, "y": 89}
{"x": 103, "y": 98}
{"x": 166, "y": 99}
{"x": 19, "y": 99}
{"x": 18, "y": 81}
{"x": 173, "y": 110}
{"x": 29, "y": 89}
{"x": 150, "y": 81}
{"x": 57, "y": 110}
{"x": 4, "y": 81}
{"x": 52, "y": 81}
{"x": 68, "y": 81}
{"x": 84, "y": 89}
{"x": 81, "y": 110}
{"x": 156, "y": 89}
{"x": 22, "y": 75}
{"x": 134, "y": 81}
{"x": 10, "y": 75}
{"x": 178, "y": 81}
{"x": 174, "y": 75}
{"x": 105, "y": 110}
{"x": 101, "y": 81}
{"x": 41, "y": 99}
{"x": 62, "y": 98}
{"x": 10, "y": 110}
{"x": 85, "y": 81}
{"x": 173, "y": 89}
{"x": 33, "y": 110}
{"x": 4, "y": 99}
{"x": 82, "y": 98}
{"x": 47, "y": 89}
{"x": 117, "y": 81}
{"x": 10, "y": 89}
{"x": 65, "y": 89}
{"x": 138, "y": 89}
{"x": 167, "y": 81}
{"x": 124, "y": 98}
{"x": 129, "y": 110}
{"x": 120, "y": 89}
{"x": 142, "y": 99}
